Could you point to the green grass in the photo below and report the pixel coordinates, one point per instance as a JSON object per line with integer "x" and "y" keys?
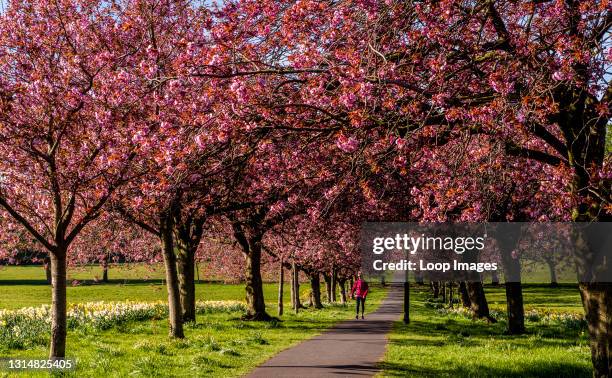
{"x": 26, "y": 286}
{"x": 450, "y": 345}
{"x": 222, "y": 345}
{"x": 217, "y": 345}
{"x": 564, "y": 298}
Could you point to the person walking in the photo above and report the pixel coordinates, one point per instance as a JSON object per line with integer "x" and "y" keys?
{"x": 359, "y": 291}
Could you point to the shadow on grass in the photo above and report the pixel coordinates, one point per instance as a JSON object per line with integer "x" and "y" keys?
{"x": 485, "y": 350}
{"x": 438, "y": 333}
{"x": 547, "y": 369}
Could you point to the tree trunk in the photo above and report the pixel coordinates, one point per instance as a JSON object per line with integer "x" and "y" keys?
{"x": 597, "y": 302}
{"x": 256, "y": 306}
{"x": 516, "y": 313}
{"x": 334, "y": 283}
{"x": 47, "y": 265}
{"x": 594, "y": 269}
{"x": 450, "y": 294}
{"x": 436, "y": 289}
{"x": 188, "y": 234}
{"x": 328, "y": 287}
{"x": 553, "y": 273}
{"x": 443, "y": 286}
{"x": 58, "y": 304}
{"x": 514, "y": 294}
{"x": 342, "y": 284}
{"x": 315, "y": 285}
{"x": 508, "y": 239}
{"x": 292, "y": 291}
{"x": 174, "y": 301}
{"x": 296, "y": 287}
{"x": 418, "y": 275}
{"x": 406, "y": 301}
{"x": 186, "y": 276}
{"x": 463, "y": 293}
{"x": 105, "y": 272}
{"x": 585, "y": 132}
{"x": 281, "y": 282}
{"x": 494, "y": 278}
{"x": 478, "y": 301}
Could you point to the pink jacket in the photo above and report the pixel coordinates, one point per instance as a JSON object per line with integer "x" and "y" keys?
{"x": 360, "y": 289}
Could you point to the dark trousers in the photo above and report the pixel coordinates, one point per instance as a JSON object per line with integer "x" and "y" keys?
{"x": 360, "y": 301}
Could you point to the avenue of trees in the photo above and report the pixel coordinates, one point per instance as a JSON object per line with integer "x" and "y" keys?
{"x": 276, "y": 127}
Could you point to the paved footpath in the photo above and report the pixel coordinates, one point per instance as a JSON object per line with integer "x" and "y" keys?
{"x": 352, "y": 348}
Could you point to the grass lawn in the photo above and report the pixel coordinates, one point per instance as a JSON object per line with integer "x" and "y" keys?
{"x": 451, "y": 345}
{"x": 22, "y": 286}
{"x": 433, "y": 344}
{"x": 218, "y": 345}
{"x": 564, "y": 298}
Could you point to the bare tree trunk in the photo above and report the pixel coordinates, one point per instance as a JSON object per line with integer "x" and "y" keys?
{"x": 292, "y": 282}
{"x": 443, "y": 285}
{"x": 597, "y": 302}
{"x": 478, "y": 300}
{"x": 406, "y": 300}
{"x": 281, "y": 281}
{"x": 47, "y": 266}
{"x": 516, "y": 313}
{"x": 595, "y": 292}
{"x": 105, "y": 272}
{"x": 553, "y": 273}
{"x": 334, "y": 280}
{"x": 436, "y": 289}
{"x": 188, "y": 233}
{"x": 174, "y": 302}
{"x": 296, "y": 287}
{"x": 315, "y": 284}
{"x": 494, "y": 278}
{"x": 186, "y": 276}
{"x": 328, "y": 287}
{"x": 509, "y": 239}
{"x": 256, "y": 306}
{"x": 465, "y": 297}
{"x": 418, "y": 275}
{"x": 342, "y": 283}
{"x": 450, "y": 294}
{"x": 58, "y": 303}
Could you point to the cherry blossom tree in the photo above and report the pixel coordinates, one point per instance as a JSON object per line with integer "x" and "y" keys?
{"x": 533, "y": 75}
{"x": 64, "y": 128}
